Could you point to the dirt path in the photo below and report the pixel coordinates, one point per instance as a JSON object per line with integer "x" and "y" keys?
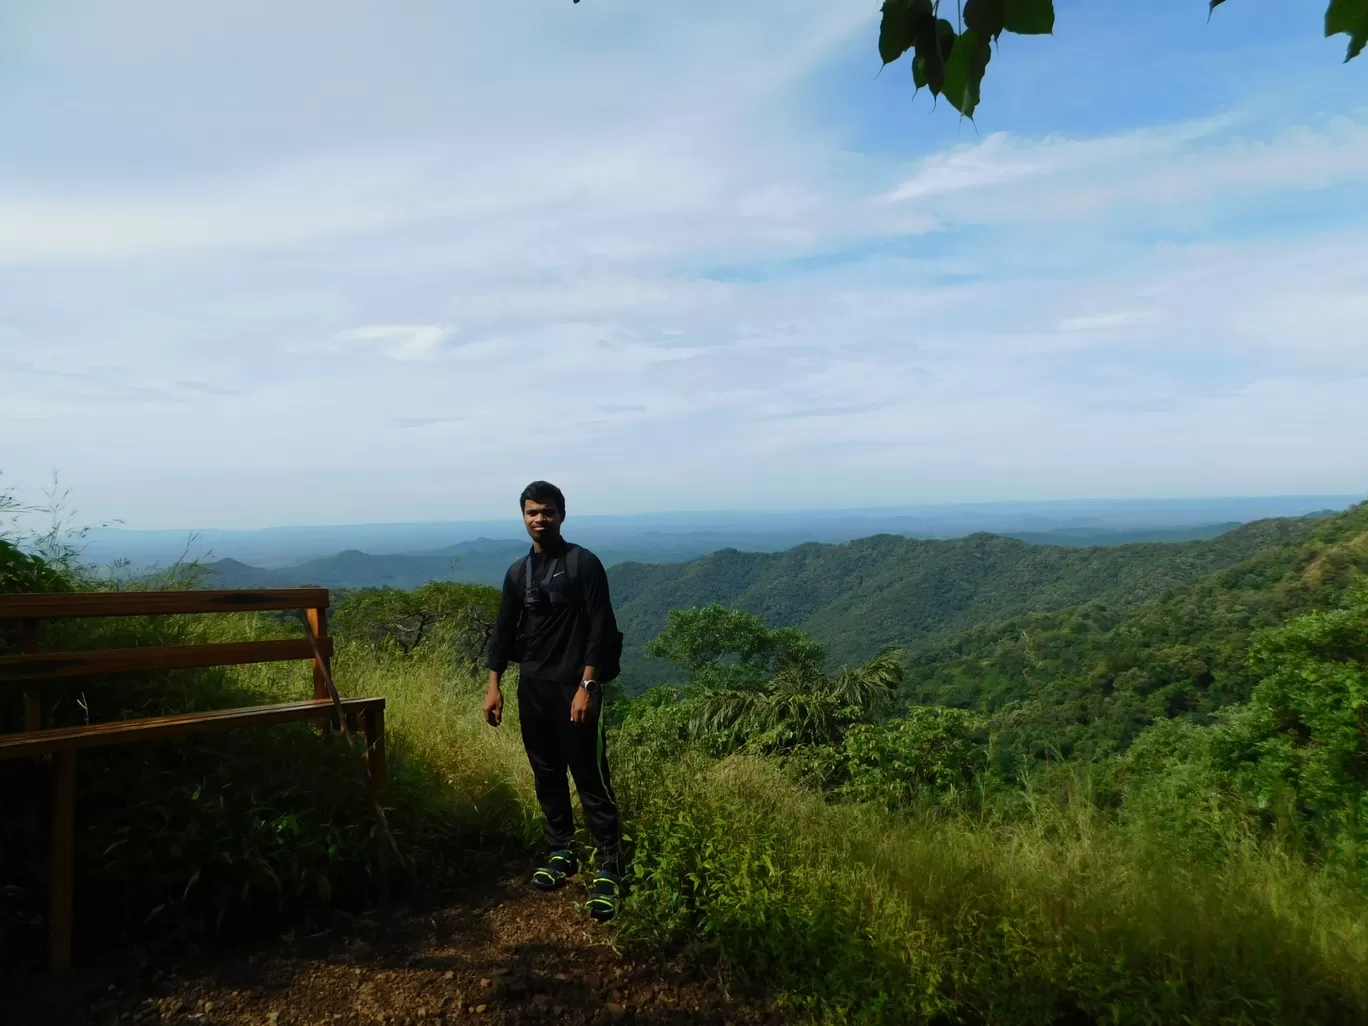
{"x": 497, "y": 954}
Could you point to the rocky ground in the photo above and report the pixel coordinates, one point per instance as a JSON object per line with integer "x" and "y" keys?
{"x": 499, "y": 953}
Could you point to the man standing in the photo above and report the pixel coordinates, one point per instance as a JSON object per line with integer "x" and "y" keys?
{"x": 556, "y": 621}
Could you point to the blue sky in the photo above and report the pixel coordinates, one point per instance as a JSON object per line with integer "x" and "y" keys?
{"x": 268, "y": 263}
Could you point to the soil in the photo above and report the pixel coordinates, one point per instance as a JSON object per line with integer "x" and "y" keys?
{"x": 497, "y": 952}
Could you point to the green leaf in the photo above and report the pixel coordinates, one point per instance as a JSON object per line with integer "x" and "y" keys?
{"x": 919, "y": 73}
{"x": 1029, "y": 17}
{"x": 964, "y": 71}
{"x": 929, "y": 52}
{"x": 986, "y": 18}
{"x": 899, "y": 26}
{"x": 1351, "y": 18}
{"x": 945, "y": 38}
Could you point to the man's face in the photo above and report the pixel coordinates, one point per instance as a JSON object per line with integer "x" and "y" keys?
{"x": 542, "y": 521}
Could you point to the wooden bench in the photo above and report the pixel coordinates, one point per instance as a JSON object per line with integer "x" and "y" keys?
{"x": 31, "y": 667}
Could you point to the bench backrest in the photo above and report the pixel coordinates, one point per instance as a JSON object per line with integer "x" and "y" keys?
{"x": 31, "y": 666}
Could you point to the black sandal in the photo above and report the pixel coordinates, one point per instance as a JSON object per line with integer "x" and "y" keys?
{"x": 559, "y": 867}
{"x": 604, "y": 895}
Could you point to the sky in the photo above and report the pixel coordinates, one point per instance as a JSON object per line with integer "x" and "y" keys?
{"x": 330, "y": 261}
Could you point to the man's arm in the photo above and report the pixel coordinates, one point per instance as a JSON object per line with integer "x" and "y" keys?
{"x": 501, "y": 641}
{"x": 504, "y": 634}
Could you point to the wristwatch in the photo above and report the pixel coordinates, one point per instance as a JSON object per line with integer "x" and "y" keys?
{"x": 591, "y": 686}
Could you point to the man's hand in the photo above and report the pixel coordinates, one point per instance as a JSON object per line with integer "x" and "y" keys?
{"x": 493, "y": 705}
{"x": 580, "y": 706}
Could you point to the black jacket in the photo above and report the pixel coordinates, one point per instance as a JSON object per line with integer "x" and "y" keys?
{"x": 569, "y": 627}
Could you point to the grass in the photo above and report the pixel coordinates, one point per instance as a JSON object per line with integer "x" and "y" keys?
{"x": 1059, "y": 916}
{"x": 1045, "y": 909}
{"x": 455, "y": 782}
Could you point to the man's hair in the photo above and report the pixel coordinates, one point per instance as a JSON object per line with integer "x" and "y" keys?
{"x": 544, "y": 492}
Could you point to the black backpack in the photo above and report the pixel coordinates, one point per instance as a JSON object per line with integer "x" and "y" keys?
{"x": 613, "y": 658}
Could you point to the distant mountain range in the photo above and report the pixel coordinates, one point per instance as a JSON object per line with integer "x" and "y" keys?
{"x": 663, "y": 537}
{"x": 484, "y": 561}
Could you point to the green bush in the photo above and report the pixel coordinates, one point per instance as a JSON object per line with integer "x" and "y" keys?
{"x": 929, "y": 754}
{"x": 21, "y": 572}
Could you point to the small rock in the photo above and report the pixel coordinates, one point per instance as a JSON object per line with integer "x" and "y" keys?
{"x": 479, "y": 1009}
{"x": 208, "y": 1007}
{"x": 614, "y": 1009}
{"x": 486, "y": 982}
{"x": 449, "y": 975}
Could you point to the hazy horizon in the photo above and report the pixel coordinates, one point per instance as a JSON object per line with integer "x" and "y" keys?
{"x": 781, "y": 512}
{"x": 766, "y": 528}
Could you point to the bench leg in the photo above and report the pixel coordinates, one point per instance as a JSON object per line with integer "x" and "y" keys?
{"x": 63, "y": 849}
{"x": 375, "y": 766}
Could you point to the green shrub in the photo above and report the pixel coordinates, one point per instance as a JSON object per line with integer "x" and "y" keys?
{"x": 929, "y": 754}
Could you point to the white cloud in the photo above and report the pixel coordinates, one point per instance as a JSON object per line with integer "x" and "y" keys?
{"x": 1007, "y": 178}
{"x": 1102, "y": 321}
{"x": 620, "y": 253}
{"x": 399, "y": 341}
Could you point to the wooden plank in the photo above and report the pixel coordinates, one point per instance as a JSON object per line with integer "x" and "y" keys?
{"x": 52, "y": 605}
{"x": 63, "y": 857}
{"x": 97, "y": 735}
{"x": 317, "y": 623}
{"x": 29, "y": 642}
{"x": 55, "y": 665}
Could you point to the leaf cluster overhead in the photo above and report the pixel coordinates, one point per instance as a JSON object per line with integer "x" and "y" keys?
{"x": 951, "y": 58}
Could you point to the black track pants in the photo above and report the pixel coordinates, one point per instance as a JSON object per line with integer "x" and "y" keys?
{"x": 555, "y": 745}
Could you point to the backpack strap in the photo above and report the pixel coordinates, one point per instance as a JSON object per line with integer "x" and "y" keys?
{"x": 552, "y": 569}
{"x": 572, "y": 564}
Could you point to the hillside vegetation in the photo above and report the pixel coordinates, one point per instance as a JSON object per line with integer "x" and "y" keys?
{"x": 865, "y": 595}
{"x": 1083, "y": 681}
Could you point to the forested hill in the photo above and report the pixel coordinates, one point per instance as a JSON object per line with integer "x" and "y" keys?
{"x": 1085, "y": 680}
{"x": 887, "y": 590}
